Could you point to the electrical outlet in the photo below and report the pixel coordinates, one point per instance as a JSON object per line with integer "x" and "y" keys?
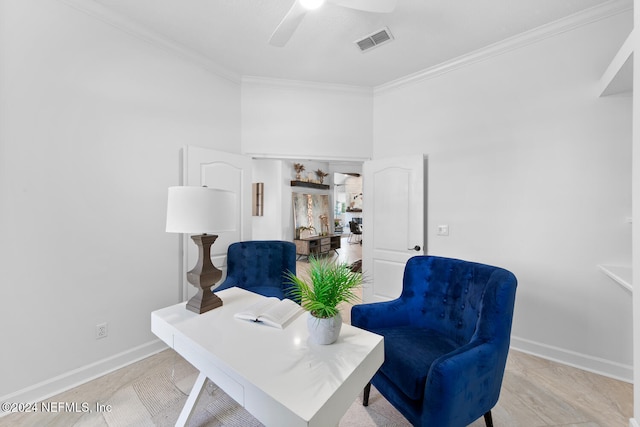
{"x": 102, "y": 330}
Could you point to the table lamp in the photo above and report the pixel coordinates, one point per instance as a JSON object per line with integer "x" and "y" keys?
{"x": 198, "y": 211}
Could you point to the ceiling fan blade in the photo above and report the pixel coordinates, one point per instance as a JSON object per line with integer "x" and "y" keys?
{"x": 288, "y": 25}
{"x": 378, "y": 6}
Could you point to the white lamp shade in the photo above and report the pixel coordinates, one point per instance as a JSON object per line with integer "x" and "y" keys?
{"x": 198, "y": 210}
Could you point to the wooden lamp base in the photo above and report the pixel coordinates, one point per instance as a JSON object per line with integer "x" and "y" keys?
{"x": 204, "y": 301}
{"x": 203, "y": 276}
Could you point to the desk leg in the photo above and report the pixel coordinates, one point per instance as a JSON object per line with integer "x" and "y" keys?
{"x": 192, "y": 400}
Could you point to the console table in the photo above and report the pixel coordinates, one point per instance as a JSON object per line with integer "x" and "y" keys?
{"x": 278, "y": 375}
{"x": 317, "y": 245}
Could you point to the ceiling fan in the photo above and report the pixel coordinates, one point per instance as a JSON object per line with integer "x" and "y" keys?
{"x": 294, "y": 17}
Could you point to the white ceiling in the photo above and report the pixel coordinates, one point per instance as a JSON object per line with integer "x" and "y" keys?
{"x": 235, "y": 34}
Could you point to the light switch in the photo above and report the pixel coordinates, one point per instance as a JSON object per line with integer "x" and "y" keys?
{"x": 443, "y": 230}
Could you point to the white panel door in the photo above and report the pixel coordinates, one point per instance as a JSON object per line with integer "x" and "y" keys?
{"x": 225, "y": 171}
{"x": 394, "y": 213}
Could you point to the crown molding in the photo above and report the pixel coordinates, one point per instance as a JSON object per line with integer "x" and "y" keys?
{"x": 307, "y": 157}
{"x": 132, "y": 28}
{"x": 585, "y": 17}
{"x": 618, "y": 77}
{"x": 300, "y": 84}
{"x": 588, "y": 16}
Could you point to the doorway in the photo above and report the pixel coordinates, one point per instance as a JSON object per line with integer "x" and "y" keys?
{"x": 347, "y": 195}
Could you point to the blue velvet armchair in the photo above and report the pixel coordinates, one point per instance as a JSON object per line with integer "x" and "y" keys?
{"x": 446, "y": 340}
{"x": 260, "y": 266}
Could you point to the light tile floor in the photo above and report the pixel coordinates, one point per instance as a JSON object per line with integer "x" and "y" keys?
{"x": 535, "y": 393}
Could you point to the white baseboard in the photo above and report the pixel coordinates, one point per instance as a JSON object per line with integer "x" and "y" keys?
{"x": 633, "y": 423}
{"x": 585, "y": 362}
{"x": 76, "y": 377}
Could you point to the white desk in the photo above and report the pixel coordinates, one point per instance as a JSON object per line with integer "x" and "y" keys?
{"x": 277, "y": 375}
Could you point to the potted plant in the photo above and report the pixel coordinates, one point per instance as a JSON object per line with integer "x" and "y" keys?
{"x": 330, "y": 284}
{"x": 299, "y": 168}
{"x": 321, "y": 174}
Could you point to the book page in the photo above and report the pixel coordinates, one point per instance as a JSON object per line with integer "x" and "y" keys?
{"x": 280, "y": 314}
{"x": 254, "y": 311}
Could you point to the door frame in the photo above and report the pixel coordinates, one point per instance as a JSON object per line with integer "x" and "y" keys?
{"x": 188, "y": 177}
{"x": 394, "y": 258}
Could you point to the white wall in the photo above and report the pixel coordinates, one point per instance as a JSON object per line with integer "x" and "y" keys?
{"x": 532, "y": 172}
{"x": 316, "y": 120}
{"x": 271, "y": 226}
{"x": 92, "y": 122}
{"x": 277, "y": 221}
{"x": 288, "y": 119}
{"x": 528, "y": 167}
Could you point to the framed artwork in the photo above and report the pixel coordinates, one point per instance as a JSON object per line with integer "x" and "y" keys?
{"x": 310, "y": 214}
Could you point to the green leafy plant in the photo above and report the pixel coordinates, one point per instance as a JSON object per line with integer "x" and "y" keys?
{"x": 331, "y": 283}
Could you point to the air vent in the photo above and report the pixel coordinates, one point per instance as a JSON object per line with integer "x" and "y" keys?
{"x": 375, "y": 39}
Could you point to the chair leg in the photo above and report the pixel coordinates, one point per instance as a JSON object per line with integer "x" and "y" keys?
{"x": 488, "y": 419}
{"x": 365, "y": 396}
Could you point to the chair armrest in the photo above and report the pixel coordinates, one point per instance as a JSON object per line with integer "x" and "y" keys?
{"x": 469, "y": 377}
{"x": 379, "y": 315}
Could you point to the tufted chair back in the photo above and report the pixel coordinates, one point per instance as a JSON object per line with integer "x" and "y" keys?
{"x": 260, "y": 266}
{"x": 448, "y": 295}
{"x": 446, "y": 340}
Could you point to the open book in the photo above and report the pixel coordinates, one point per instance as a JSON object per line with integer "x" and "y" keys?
{"x": 271, "y": 311}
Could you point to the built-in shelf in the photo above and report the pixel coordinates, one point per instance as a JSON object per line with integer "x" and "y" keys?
{"x": 309, "y": 185}
{"x": 620, "y": 274}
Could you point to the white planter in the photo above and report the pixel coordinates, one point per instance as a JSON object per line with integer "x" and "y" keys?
{"x": 324, "y": 331}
